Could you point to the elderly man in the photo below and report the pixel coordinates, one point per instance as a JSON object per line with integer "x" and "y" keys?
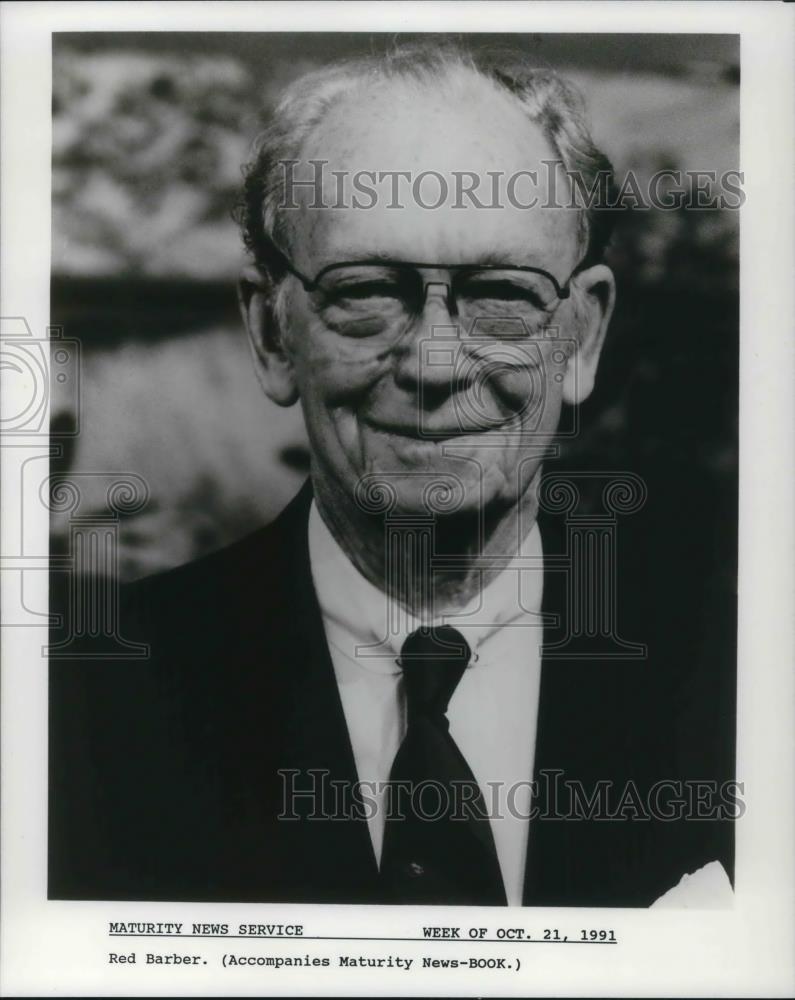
{"x": 363, "y": 702}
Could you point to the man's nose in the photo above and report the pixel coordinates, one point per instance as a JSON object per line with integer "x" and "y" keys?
{"x": 427, "y": 354}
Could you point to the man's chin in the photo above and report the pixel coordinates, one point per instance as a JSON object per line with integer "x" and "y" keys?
{"x": 449, "y": 488}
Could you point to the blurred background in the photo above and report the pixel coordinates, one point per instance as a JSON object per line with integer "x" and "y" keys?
{"x": 149, "y": 134}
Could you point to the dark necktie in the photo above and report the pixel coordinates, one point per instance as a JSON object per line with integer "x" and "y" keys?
{"x": 438, "y": 845}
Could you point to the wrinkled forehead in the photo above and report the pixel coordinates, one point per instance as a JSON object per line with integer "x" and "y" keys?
{"x": 450, "y": 174}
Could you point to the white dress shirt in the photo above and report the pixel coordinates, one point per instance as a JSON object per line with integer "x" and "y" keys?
{"x": 493, "y": 711}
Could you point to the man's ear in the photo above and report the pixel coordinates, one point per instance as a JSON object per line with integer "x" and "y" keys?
{"x": 597, "y": 289}
{"x": 274, "y": 368}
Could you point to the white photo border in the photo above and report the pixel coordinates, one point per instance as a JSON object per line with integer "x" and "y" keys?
{"x": 60, "y": 948}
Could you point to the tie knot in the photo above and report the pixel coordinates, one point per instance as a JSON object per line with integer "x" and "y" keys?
{"x": 433, "y": 661}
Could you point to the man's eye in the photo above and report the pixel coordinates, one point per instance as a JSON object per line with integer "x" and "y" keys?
{"x": 502, "y": 291}
{"x": 365, "y": 291}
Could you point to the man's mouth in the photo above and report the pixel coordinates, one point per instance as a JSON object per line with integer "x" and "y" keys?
{"x": 423, "y": 432}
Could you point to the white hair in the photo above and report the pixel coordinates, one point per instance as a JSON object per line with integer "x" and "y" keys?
{"x": 549, "y": 103}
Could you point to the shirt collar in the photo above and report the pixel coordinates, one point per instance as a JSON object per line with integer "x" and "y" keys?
{"x": 366, "y": 625}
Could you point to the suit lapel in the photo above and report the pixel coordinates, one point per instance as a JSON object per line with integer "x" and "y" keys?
{"x": 583, "y": 737}
{"x": 334, "y": 858}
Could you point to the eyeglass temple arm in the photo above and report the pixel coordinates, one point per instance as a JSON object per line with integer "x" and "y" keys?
{"x": 280, "y": 257}
{"x": 308, "y": 284}
{"x": 565, "y": 290}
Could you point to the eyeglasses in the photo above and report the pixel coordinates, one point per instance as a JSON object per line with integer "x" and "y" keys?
{"x": 382, "y": 298}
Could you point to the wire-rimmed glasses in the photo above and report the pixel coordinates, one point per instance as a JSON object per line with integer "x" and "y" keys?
{"x": 381, "y": 298}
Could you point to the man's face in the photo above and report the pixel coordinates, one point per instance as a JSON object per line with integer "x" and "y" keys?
{"x": 435, "y": 400}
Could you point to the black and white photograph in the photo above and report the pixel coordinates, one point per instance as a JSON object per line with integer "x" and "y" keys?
{"x": 391, "y": 463}
{"x": 486, "y": 653}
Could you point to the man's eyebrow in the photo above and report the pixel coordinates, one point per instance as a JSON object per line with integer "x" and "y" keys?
{"x": 501, "y": 257}
{"x": 346, "y": 253}
{"x": 529, "y": 255}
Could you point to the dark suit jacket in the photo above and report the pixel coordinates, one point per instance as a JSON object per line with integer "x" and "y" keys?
{"x": 163, "y": 773}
